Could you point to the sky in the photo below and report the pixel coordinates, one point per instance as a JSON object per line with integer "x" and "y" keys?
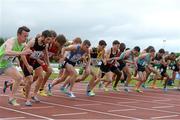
{"x": 134, "y": 22}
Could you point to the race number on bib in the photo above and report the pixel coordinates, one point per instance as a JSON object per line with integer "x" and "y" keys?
{"x": 36, "y": 54}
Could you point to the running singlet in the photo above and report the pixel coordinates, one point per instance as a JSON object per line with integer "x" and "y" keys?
{"x": 144, "y": 61}
{"x": 52, "y": 49}
{"x": 112, "y": 55}
{"x": 37, "y": 50}
{"x": 75, "y": 56}
{"x": 123, "y": 57}
{"x": 5, "y": 59}
{"x": 96, "y": 57}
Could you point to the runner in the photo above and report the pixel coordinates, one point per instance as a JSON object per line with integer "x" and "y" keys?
{"x": 142, "y": 61}
{"x": 97, "y": 54}
{"x": 127, "y": 57}
{"x": 39, "y": 48}
{"x": 75, "y": 52}
{"x": 163, "y": 68}
{"x": 13, "y": 47}
{"x": 54, "y": 50}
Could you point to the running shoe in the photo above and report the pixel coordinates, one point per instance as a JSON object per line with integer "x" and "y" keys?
{"x": 13, "y": 102}
{"x": 35, "y": 99}
{"x": 28, "y": 103}
{"x": 71, "y": 95}
{"x": 42, "y": 93}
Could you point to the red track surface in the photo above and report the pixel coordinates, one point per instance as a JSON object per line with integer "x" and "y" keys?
{"x": 152, "y": 104}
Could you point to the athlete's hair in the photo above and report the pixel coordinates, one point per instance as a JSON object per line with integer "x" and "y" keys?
{"x": 149, "y": 48}
{"x": 23, "y": 28}
{"x": 77, "y": 40}
{"x": 115, "y": 42}
{"x": 122, "y": 46}
{"x": 46, "y": 33}
{"x": 53, "y": 33}
{"x": 161, "y": 50}
{"x": 152, "y": 50}
{"x": 87, "y": 42}
{"x": 102, "y": 42}
{"x": 61, "y": 39}
{"x": 137, "y": 48}
{"x": 172, "y": 53}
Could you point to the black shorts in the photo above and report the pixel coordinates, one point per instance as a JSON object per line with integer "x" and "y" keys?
{"x": 107, "y": 68}
{"x": 32, "y": 62}
{"x": 163, "y": 70}
{"x": 140, "y": 68}
{"x": 104, "y": 68}
{"x": 175, "y": 68}
{"x": 69, "y": 62}
{"x": 122, "y": 65}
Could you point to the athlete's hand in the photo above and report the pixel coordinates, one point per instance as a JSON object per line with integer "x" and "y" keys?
{"x": 26, "y": 52}
{"x": 30, "y": 68}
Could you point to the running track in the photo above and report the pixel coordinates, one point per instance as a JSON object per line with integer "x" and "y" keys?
{"x": 152, "y": 104}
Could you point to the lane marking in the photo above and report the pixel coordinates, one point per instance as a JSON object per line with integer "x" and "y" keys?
{"x": 87, "y": 104}
{"x": 88, "y": 110}
{"x": 161, "y": 100}
{"x": 100, "y": 102}
{"x": 26, "y": 108}
{"x": 164, "y": 117}
{"x": 127, "y": 102}
{"x": 94, "y": 111}
{"x": 12, "y": 118}
{"x": 26, "y": 113}
{"x": 121, "y": 110}
{"x": 69, "y": 114}
{"x": 163, "y": 106}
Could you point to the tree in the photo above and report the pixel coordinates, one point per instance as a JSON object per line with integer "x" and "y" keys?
{"x": 1, "y": 41}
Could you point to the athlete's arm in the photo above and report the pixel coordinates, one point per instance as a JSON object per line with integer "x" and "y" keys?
{"x": 8, "y": 49}
{"x": 23, "y": 57}
{"x": 69, "y": 48}
{"x": 46, "y": 55}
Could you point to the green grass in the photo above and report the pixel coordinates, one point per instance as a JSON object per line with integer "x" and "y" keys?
{"x": 159, "y": 83}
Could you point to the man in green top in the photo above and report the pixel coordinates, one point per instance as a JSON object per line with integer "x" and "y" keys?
{"x": 12, "y": 48}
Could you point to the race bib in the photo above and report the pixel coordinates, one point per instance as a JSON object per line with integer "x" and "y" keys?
{"x": 37, "y": 54}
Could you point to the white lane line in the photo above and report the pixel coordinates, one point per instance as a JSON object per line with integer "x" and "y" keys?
{"x": 161, "y": 100}
{"x": 26, "y": 113}
{"x": 25, "y": 108}
{"x": 69, "y": 114}
{"x": 88, "y": 110}
{"x": 163, "y": 106}
{"x": 161, "y": 117}
{"x": 127, "y": 102}
{"x": 87, "y": 104}
{"x": 12, "y": 118}
{"x": 107, "y": 103}
{"x": 135, "y": 100}
{"x": 120, "y": 110}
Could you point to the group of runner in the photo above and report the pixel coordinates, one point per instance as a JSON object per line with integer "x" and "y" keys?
{"x": 105, "y": 67}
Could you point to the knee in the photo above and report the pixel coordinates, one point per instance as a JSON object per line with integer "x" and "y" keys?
{"x": 49, "y": 71}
